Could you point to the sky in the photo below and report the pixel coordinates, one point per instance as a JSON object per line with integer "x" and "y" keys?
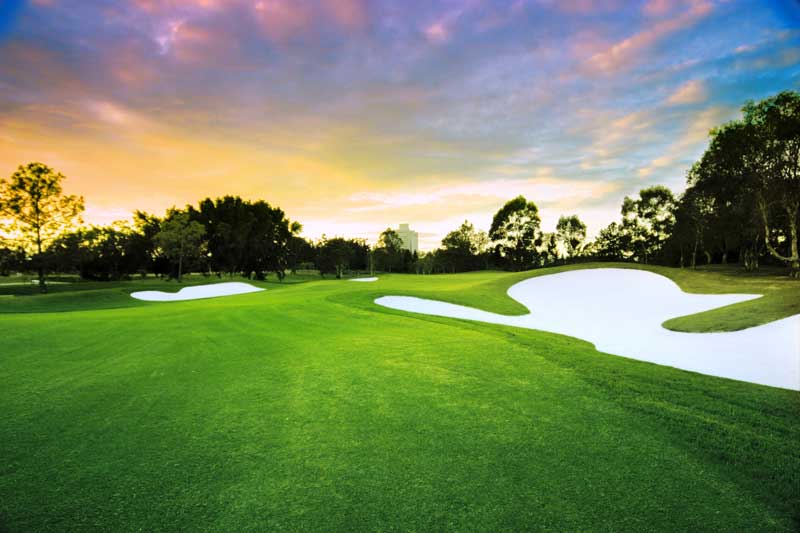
{"x": 356, "y": 115}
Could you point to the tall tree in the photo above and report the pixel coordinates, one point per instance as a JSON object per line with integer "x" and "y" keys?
{"x": 180, "y": 238}
{"x": 389, "y": 250}
{"x": 571, "y": 232}
{"x": 648, "y": 221}
{"x": 335, "y": 256}
{"x": 246, "y": 237}
{"x": 611, "y": 243}
{"x": 516, "y": 233}
{"x": 773, "y": 126}
{"x": 38, "y": 210}
{"x": 692, "y": 218}
{"x": 463, "y": 247}
{"x": 750, "y": 176}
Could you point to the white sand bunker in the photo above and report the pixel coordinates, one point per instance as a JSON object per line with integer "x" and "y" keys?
{"x": 621, "y": 312}
{"x": 197, "y": 292}
{"x": 364, "y": 279}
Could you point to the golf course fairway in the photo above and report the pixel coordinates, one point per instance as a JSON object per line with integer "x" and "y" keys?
{"x": 309, "y": 407}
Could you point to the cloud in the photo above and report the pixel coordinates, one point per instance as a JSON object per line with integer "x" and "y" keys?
{"x": 112, "y": 113}
{"x": 586, "y": 7}
{"x": 351, "y": 14}
{"x": 691, "y": 92}
{"x": 283, "y": 19}
{"x": 659, "y": 8}
{"x": 436, "y": 32}
{"x": 545, "y": 188}
{"x": 359, "y": 114}
{"x": 630, "y": 51}
{"x": 690, "y": 144}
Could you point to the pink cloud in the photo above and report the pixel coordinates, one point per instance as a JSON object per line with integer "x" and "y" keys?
{"x": 349, "y": 14}
{"x": 627, "y": 52}
{"x": 163, "y": 6}
{"x": 282, "y": 19}
{"x": 659, "y": 8}
{"x": 195, "y": 44}
{"x": 127, "y": 65}
{"x": 436, "y": 33}
{"x": 586, "y": 7}
{"x": 691, "y": 92}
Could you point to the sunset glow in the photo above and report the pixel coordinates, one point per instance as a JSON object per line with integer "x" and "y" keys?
{"x": 353, "y": 116}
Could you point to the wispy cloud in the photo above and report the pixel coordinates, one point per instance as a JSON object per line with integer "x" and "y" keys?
{"x": 691, "y": 92}
{"x": 628, "y": 52}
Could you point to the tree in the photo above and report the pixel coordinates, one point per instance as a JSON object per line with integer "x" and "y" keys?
{"x": 267, "y": 242}
{"x": 516, "y": 233}
{"x": 389, "y": 250}
{"x": 37, "y": 208}
{"x": 463, "y": 248}
{"x": 246, "y": 237}
{"x": 11, "y": 260}
{"x": 611, "y": 243}
{"x": 571, "y": 233}
{"x": 549, "y": 250}
{"x": 749, "y": 177}
{"x": 692, "y": 216}
{"x": 143, "y": 245}
{"x": 334, "y": 256}
{"x": 647, "y": 222}
{"x": 180, "y": 238}
{"x": 773, "y": 130}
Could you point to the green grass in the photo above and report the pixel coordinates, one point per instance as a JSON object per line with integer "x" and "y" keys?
{"x": 309, "y": 407}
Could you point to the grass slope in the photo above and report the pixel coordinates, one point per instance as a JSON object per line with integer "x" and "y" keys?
{"x": 308, "y": 407}
{"x": 484, "y": 290}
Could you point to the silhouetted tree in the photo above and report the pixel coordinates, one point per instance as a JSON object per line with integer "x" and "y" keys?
{"x": 647, "y": 221}
{"x": 463, "y": 249}
{"x": 388, "y": 252}
{"x": 180, "y": 238}
{"x": 516, "y": 233}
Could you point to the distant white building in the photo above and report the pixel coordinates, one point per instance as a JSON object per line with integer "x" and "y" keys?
{"x": 410, "y": 238}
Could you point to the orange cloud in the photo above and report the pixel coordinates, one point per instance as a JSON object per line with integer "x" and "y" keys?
{"x": 691, "y": 92}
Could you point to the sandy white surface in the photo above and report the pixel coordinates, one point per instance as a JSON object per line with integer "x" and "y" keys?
{"x": 197, "y": 292}
{"x": 364, "y": 279}
{"x": 621, "y": 311}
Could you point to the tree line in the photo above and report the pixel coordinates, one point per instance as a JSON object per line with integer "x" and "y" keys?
{"x": 741, "y": 204}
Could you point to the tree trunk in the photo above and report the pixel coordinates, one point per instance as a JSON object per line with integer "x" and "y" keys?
{"x": 180, "y": 263}
{"x": 795, "y": 263}
{"x": 794, "y": 258}
{"x": 40, "y": 260}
